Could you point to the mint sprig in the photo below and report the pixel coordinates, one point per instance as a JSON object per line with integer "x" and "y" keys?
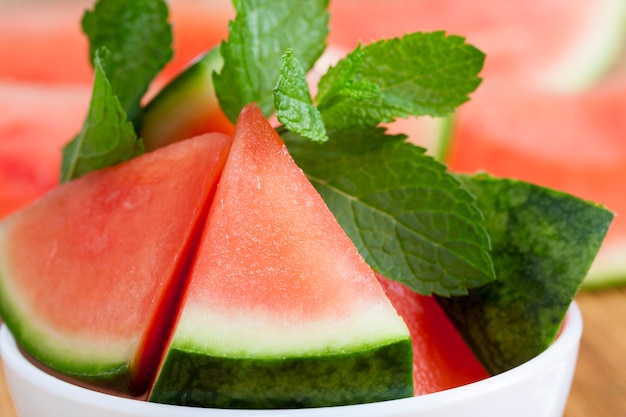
{"x": 258, "y": 37}
{"x": 294, "y": 106}
{"x": 107, "y": 137}
{"x": 129, "y": 44}
{"x": 418, "y": 74}
{"x": 139, "y": 37}
{"x": 410, "y": 219}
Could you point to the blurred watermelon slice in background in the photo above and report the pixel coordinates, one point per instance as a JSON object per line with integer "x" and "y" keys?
{"x": 560, "y": 45}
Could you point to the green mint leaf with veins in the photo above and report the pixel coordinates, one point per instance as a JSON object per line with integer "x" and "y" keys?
{"x": 139, "y": 37}
{"x": 258, "y": 37}
{"x": 292, "y": 99}
{"x": 409, "y": 217}
{"x": 107, "y": 137}
{"x": 418, "y": 74}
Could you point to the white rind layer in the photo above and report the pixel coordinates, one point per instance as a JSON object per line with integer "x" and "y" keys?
{"x": 259, "y": 334}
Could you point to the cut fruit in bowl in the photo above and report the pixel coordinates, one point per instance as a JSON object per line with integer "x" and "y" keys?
{"x": 538, "y": 387}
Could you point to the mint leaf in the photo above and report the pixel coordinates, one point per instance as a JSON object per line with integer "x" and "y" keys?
{"x": 544, "y": 242}
{"x": 258, "y": 37}
{"x": 107, "y": 137}
{"x": 139, "y": 37}
{"x": 418, "y": 74}
{"x": 292, "y": 99}
{"x": 410, "y": 219}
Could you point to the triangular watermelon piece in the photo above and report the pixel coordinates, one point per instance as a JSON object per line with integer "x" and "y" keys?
{"x": 280, "y": 310}
{"x": 90, "y": 274}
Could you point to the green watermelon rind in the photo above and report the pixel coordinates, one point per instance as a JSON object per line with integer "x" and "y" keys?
{"x": 544, "y": 242}
{"x": 371, "y": 374}
{"x": 188, "y": 95}
{"x": 194, "y": 78}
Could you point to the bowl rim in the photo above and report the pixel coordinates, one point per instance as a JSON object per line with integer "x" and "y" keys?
{"x": 568, "y": 339}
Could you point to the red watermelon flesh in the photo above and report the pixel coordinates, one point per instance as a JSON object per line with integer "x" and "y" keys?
{"x": 570, "y": 142}
{"x": 96, "y": 305}
{"x": 441, "y": 358}
{"x": 274, "y": 219}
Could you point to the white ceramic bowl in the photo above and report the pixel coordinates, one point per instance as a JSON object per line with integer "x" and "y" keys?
{"x": 538, "y": 388}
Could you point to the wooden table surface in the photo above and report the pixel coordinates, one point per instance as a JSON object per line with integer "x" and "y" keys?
{"x": 599, "y": 387}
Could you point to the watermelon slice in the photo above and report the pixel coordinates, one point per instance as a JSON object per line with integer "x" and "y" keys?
{"x": 90, "y": 273}
{"x": 280, "y": 309}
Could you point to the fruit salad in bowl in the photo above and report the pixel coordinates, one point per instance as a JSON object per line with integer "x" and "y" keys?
{"x": 235, "y": 244}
